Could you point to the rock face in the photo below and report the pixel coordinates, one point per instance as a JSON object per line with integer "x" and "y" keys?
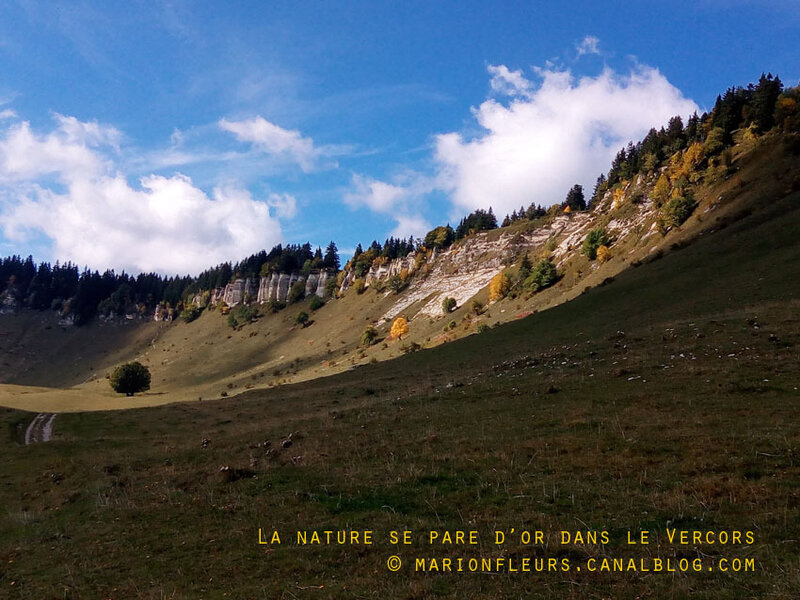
{"x": 274, "y": 286}
{"x": 466, "y": 267}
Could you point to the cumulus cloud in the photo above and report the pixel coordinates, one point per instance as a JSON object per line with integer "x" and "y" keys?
{"x": 398, "y": 200}
{"x": 549, "y": 136}
{"x": 64, "y": 184}
{"x": 274, "y": 140}
{"x": 588, "y": 45}
{"x": 505, "y": 81}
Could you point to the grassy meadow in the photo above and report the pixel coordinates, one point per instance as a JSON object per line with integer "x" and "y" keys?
{"x": 664, "y": 399}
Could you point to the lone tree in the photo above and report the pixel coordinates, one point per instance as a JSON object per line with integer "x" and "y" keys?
{"x": 130, "y": 378}
{"x": 399, "y": 328}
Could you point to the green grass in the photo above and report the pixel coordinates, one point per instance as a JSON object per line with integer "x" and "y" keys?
{"x": 667, "y": 398}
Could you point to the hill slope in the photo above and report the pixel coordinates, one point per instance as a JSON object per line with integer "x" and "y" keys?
{"x": 207, "y": 359}
{"x": 665, "y": 399}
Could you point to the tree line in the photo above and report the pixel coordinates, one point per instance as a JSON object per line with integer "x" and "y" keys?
{"x": 83, "y": 293}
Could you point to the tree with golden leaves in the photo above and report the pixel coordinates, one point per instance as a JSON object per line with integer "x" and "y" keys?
{"x": 498, "y": 287}
{"x": 603, "y": 253}
{"x": 399, "y": 328}
{"x": 661, "y": 190}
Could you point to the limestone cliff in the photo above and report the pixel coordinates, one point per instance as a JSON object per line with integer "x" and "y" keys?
{"x": 274, "y": 286}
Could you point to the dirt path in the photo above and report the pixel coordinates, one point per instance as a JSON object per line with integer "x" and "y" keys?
{"x": 40, "y": 429}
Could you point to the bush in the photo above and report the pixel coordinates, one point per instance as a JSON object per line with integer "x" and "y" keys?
{"x": 242, "y": 315}
{"x": 130, "y": 378}
{"x": 359, "y": 285}
{"x": 448, "y": 305}
{"x": 483, "y": 327}
{"x": 412, "y": 347}
{"x": 297, "y": 292}
{"x": 369, "y": 336}
{"x": 543, "y": 275}
{"x": 675, "y": 213}
{"x": 190, "y": 313}
{"x": 397, "y": 284}
{"x": 301, "y": 318}
{"x": 603, "y": 254}
{"x": 477, "y": 307}
{"x": 274, "y": 306}
{"x": 596, "y": 237}
{"x": 331, "y": 287}
{"x": 316, "y": 303}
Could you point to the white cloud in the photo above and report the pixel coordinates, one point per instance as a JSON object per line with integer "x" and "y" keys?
{"x": 376, "y": 195}
{"x": 7, "y": 114}
{"x": 551, "y": 136}
{"x": 408, "y": 225}
{"x": 588, "y": 45}
{"x": 24, "y": 155}
{"x": 399, "y": 200}
{"x": 274, "y": 140}
{"x": 510, "y": 83}
{"x": 285, "y": 205}
{"x": 63, "y": 185}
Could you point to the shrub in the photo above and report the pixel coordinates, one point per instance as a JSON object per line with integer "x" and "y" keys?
{"x": 412, "y": 347}
{"x": 316, "y": 303}
{"x": 359, "y": 285}
{"x": 451, "y": 325}
{"x": 190, "y": 313}
{"x": 297, "y": 292}
{"x": 369, "y": 336}
{"x": 301, "y": 318}
{"x": 596, "y": 237}
{"x": 399, "y": 328}
{"x": 274, "y": 306}
{"x": 130, "y": 378}
{"x": 675, "y": 213}
{"x": 483, "y": 327}
{"x": 603, "y": 254}
{"x": 477, "y": 307}
{"x": 241, "y": 315}
{"x": 331, "y": 286}
{"x": 448, "y": 305}
{"x": 543, "y": 275}
{"x": 397, "y": 284}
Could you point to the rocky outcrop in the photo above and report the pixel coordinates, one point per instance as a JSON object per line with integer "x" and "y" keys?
{"x": 240, "y": 291}
{"x": 275, "y": 286}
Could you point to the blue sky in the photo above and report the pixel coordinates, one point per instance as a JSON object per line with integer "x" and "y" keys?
{"x": 170, "y": 136}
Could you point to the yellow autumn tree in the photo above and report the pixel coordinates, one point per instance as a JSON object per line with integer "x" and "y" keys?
{"x": 661, "y": 190}
{"x": 603, "y": 253}
{"x": 498, "y": 287}
{"x": 399, "y": 328}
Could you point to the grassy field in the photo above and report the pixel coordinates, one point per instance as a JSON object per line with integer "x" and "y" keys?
{"x": 666, "y": 399}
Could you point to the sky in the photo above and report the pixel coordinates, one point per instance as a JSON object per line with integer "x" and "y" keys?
{"x": 171, "y": 136}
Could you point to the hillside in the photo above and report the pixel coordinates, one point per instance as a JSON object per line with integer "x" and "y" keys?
{"x": 664, "y": 399}
{"x": 208, "y": 359}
